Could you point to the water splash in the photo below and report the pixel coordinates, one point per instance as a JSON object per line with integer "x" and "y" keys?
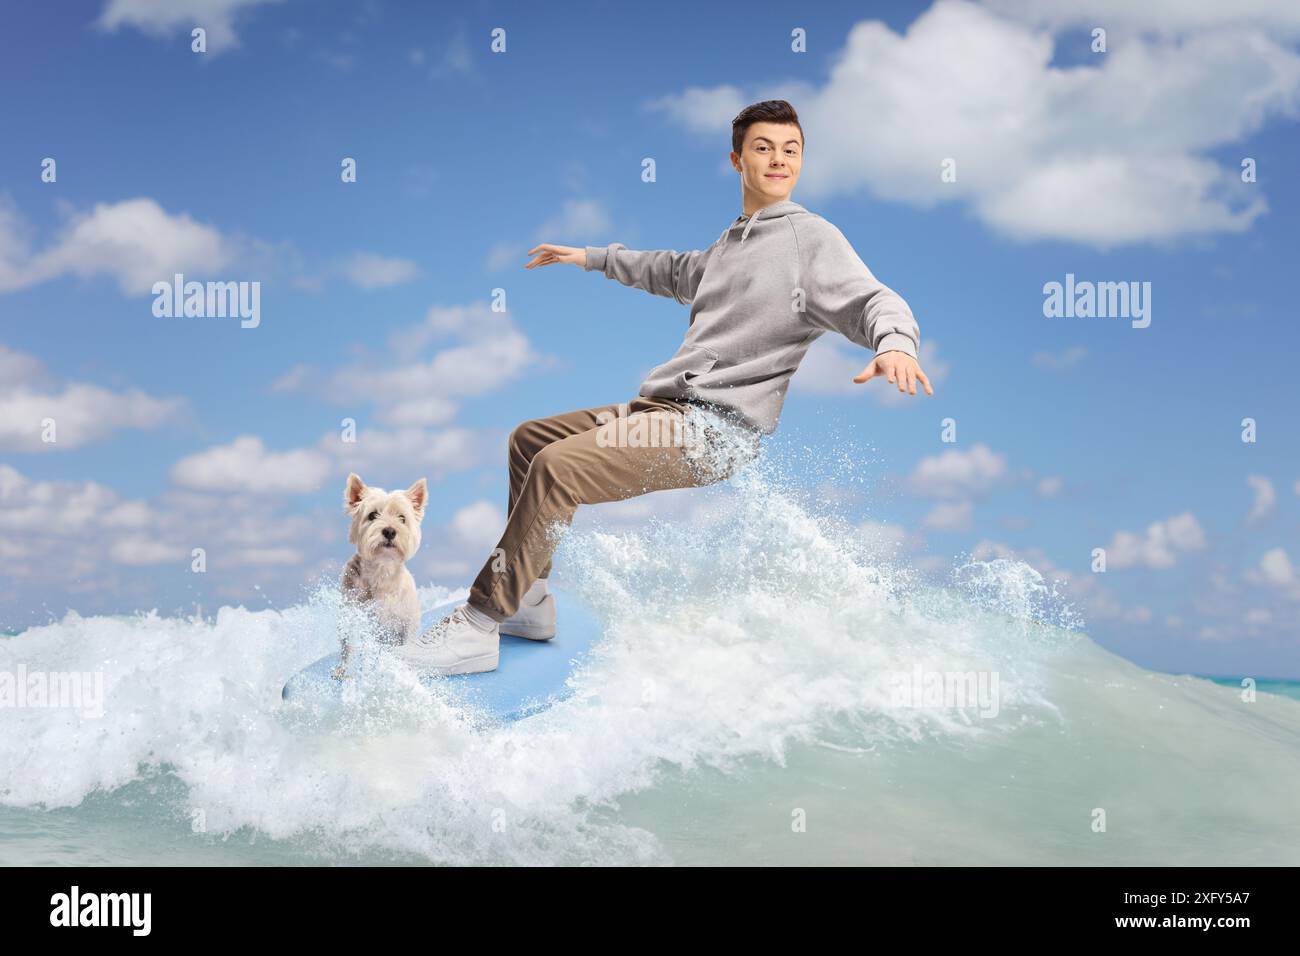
{"x": 750, "y": 669}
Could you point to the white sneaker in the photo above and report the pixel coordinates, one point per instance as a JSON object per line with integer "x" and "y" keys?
{"x": 455, "y": 645}
{"x": 533, "y": 621}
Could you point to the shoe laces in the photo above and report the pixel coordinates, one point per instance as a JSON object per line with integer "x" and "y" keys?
{"x": 437, "y": 633}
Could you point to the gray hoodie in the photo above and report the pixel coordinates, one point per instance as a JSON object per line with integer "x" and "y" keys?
{"x": 759, "y": 297}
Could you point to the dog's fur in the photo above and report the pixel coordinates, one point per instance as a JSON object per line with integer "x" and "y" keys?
{"x": 386, "y": 530}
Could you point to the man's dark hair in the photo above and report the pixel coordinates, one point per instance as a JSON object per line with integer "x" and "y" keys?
{"x": 768, "y": 111}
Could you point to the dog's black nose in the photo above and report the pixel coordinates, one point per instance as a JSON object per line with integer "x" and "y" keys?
{"x": 390, "y": 533}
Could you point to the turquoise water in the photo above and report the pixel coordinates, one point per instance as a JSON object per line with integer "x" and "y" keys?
{"x": 744, "y": 707}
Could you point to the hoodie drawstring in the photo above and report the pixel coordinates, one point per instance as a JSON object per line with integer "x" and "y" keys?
{"x": 726, "y": 233}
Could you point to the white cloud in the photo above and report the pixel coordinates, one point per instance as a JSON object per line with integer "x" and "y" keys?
{"x": 486, "y": 351}
{"x": 246, "y": 466}
{"x": 1159, "y": 546}
{"x": 135, "y": 242}
{"x": 578, "y": 218}
{"x": 80, "y": 413}
{"x": 51, "y": 507}
{"x": 479, "y": 525}
{"x": 474, "y": 368}
{"x": 1275, "y": 567}
{"x": 469, "y": 322}
{"x": 106, "y": 547}
{"x": 957, "y": 473}
{"x": 1050, "y": 486}
{"x": 1159, "y": 16}
{"x": 1163, "y": 198}
{"x": 263, "y": 556}
{"x": 378, "y": 272}
{"x": 703, "y": 110}
{"x": 453, "y": 552}
{"x": 79, "y": 526}
{"x": 1115, "y": 151}
{"x": 580, "y": 222}
{"x": 167, "y": 18}
{"x": 949, "y": 516}
{"x": 129, "y": 514}
{"x": 1279, "y": 577}
{"x": 423, "y": 412}
{"x": 397, "y": 457}
{"x": 1265, "y": 498}
{"x": 19, "y": 368}
{"x": 142, "y": 550}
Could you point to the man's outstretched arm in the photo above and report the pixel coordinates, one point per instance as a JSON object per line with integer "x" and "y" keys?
{"x": 841, "y": 295}
{"x": 674, "y": 275}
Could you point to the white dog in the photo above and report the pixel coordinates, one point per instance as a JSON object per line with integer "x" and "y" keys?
{"x": 386, "y": 530}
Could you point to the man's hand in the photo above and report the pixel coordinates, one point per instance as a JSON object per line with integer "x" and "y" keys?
{"x": 896, "y": 367}
{"x": 548, "y": 254}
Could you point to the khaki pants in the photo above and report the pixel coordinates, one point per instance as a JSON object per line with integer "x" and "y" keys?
{"x": 584, "y": 457}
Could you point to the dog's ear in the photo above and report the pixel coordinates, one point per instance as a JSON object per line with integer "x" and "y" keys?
{"x": 353, "y": 492}
{"x": 419, "y": 495}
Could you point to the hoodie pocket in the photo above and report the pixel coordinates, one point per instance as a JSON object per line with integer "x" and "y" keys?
{"x": 680, "y": 372}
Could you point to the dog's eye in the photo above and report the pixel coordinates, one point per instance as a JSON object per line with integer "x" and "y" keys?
{"x": 402, "y": 518}
{"x": 372, "y": 516}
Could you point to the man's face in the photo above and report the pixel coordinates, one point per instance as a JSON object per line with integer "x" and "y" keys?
{"x": 769, "y": 163}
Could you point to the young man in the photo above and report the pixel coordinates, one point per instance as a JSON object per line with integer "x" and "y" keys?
{"x": 775, "y": 280}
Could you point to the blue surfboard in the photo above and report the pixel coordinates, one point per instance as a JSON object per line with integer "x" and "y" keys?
{"x": 531, "y": 675}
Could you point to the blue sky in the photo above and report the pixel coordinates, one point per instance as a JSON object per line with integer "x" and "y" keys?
{"x": 1072, "y": 434}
